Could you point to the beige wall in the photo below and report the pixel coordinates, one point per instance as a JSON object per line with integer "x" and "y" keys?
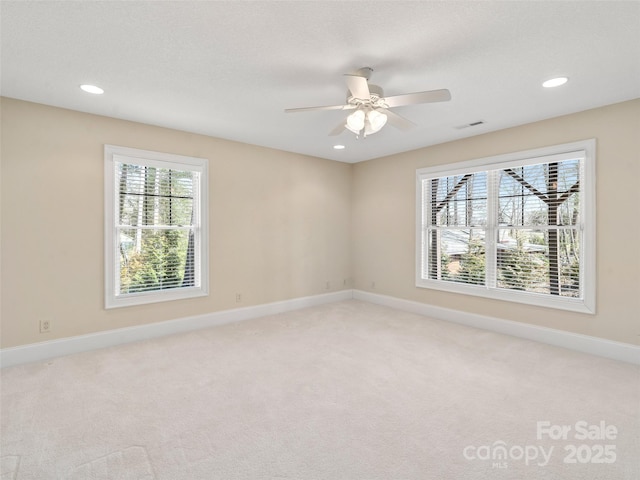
{"x": 383, "y": 226}
{"x": 279, "y": 222}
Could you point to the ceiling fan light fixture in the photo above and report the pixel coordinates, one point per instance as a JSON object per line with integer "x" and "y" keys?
{"x": 356, "y": 121}
{"x": 375, "y": 121}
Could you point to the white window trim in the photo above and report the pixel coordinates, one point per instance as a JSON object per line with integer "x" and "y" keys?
{"x": 112, "y": 154}
{"x": 587, "y": 304}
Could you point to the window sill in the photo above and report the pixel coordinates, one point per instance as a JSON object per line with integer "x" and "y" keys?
{"x": 539, "y": 300}
{"x": 132, "y": 299}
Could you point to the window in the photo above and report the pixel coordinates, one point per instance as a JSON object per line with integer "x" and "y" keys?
{"x": 518, "y": 227}
{"x": 155, "y": 227}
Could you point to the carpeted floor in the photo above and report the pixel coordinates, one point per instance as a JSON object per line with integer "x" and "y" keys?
{"x": 345, "y": 391}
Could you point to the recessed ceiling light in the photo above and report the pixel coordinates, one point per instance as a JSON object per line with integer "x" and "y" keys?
{"x": 555, "y": 82}
{"x": 339, "y": 147}
{"x": 92, "y": 89}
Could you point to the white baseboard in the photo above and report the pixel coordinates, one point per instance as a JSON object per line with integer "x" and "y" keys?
{"x": 82, "y": 343}
{"x": 623, "y": 352}
{"x": 65, "y": 346}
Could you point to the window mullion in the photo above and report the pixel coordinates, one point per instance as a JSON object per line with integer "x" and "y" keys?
{"x": 491, "y": 233}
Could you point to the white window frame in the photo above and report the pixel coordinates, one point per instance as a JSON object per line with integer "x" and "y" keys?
{"x": 587, "y": 150}
{"x": 114, "y": 154}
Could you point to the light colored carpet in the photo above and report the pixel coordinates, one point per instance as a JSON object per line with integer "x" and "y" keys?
{"x": 346, "y": 391}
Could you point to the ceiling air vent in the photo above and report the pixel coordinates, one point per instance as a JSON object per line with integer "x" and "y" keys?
{"x": 472, "y": 124}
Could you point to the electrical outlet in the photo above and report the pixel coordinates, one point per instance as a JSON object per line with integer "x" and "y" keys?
{"x": 238, "y": 297}
{"x": 328, "y": 287}
{"x": 45, "y": 326}
{"x": 373, "y": 285}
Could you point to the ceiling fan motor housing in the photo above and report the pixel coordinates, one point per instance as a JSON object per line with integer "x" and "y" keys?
{"x": 375, "y": 100}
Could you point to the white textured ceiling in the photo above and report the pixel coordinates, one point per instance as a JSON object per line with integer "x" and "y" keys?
{"x": 229, "y": 69}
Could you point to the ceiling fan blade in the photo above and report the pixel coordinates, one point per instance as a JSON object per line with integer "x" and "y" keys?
{"x": 358, "y": 86}
{"x": 338, "y": 130}
{"x": 418, "y": 97}
{"x": 311, "y": 109}
{"x": 396, "y": 120}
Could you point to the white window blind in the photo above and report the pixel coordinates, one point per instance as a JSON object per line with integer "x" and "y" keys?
{"x": 155, "y": 227}
{"x": 517, "y": 227}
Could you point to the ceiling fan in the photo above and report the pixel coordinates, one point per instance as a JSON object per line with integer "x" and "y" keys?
{"x": 372, "y": 107}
